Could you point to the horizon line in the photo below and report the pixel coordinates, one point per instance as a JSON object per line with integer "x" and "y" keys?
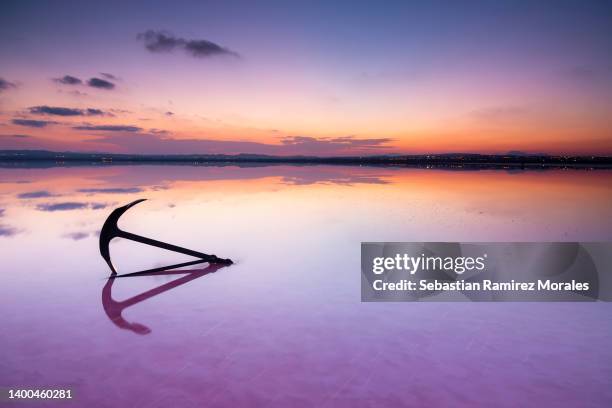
{"x": 510, "y": 154}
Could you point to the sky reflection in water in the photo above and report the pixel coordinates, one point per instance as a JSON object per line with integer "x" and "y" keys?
{"x": 284, "y": 326}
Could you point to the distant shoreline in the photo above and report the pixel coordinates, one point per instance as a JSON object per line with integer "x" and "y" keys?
{"x": 41, "y": 158}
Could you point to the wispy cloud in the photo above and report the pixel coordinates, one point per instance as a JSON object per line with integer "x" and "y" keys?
{"x": 6, "y": 231}
{"x": 35, "y": 194}
{"x": 67, "y": 206}
{"x": 17, "y": 136}
{"x": 4, "y": 85}
{"x": 159, "y": 131}
{"x": 109, "y": 76}
{"x": 77, "y": 93}
{"x": 98, "y": 206}
{"x": 68, "y": 80}
{"x": 345, "y": 142}
{"x": 164, "y": 41}
{"x": 109, "y": 128}
{"x": 76, "y": 236}
{"x": 62, "y": 111}
{"x": 32, "y": 123}
{"x": 115, "y": 190}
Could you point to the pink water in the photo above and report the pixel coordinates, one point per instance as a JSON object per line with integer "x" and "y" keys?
{"x": 284, "y": 326}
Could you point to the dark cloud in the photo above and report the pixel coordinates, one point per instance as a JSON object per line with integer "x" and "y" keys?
{"x": 169, "y": 113}
{"x": 1, "y": 212}
{"x": 100, "y": 83}
{"x": 77, "y": 236}
{"x": 61, "y": 206}
{"x": 109, "y": 76}
{"x": 95, "y": 112}
{"x": 4, "y": 85}
{"x": 296, "y": 145}
{"x": 32, "y": 123}
{"x": 6, "y": 231}
{"x": 55, "y": 110}
{"x": 35, "y": 194}
{"x": 111, "y": 190}
{"x": 162, "y": 41}
{"x": 109, "y": 128}
{"x": 204, "y": 48}
{"x": 61, "y": 111}
{"x": 68, "y": 80}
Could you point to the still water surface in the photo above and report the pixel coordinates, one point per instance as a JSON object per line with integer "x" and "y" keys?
{"x": 284, "y": 326}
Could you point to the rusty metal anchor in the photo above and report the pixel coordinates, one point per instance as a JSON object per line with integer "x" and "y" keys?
{"x": 110, "y": 230}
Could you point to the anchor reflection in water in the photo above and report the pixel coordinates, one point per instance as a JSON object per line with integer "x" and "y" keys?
{"x": 114, "y": 308}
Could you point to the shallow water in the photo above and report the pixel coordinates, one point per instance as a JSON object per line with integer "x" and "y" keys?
{"x": 284, "y": 326}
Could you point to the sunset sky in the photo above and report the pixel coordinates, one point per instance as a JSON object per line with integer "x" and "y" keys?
{"x": 307, "y": 77}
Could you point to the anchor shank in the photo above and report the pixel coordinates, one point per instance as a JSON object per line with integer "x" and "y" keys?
{"x": 170, "y": 247}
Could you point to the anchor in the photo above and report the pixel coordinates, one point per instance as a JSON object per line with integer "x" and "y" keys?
{"x": 110, "y": 230}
